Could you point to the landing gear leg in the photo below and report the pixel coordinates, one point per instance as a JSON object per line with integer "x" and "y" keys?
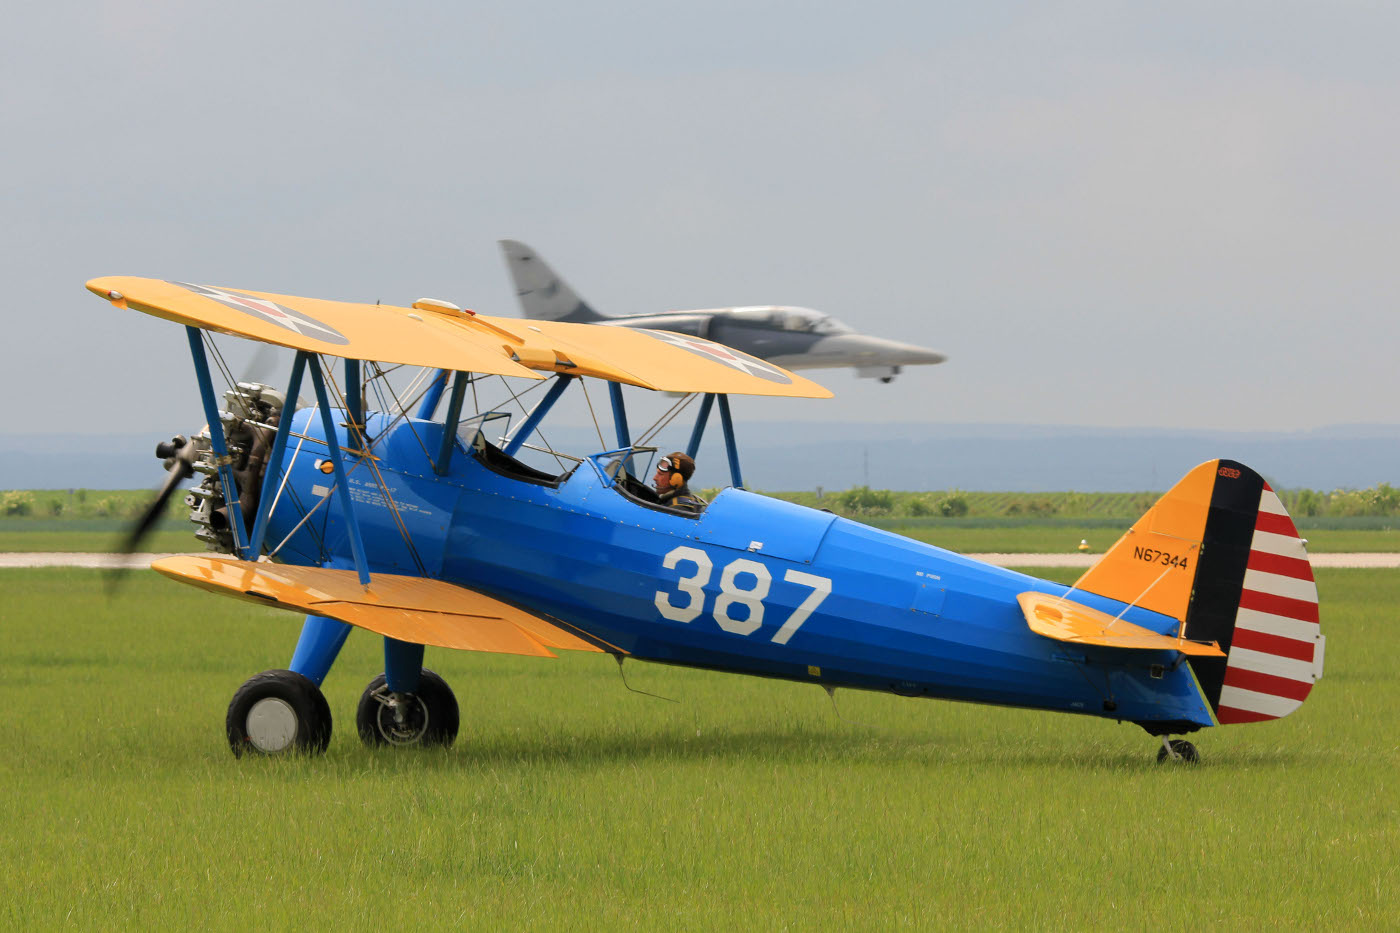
{"x": 320, "y": 642}
{"x": 426, "y": 717}
{"x": 407, "y": 704}
{"x": 1177, "y": 750}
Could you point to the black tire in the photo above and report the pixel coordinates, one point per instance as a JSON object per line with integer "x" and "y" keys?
{"x": 432, "y": 717}
{"x": 278, "y": 712}
{"x": 1185, "y": 749}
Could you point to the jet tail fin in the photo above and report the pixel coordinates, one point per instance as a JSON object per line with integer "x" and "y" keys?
{"x": 1220, "y": 553}
{"x": 544, "y": 296}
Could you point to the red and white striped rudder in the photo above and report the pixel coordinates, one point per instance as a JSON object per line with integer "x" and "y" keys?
{"x": 1276, "y": 652}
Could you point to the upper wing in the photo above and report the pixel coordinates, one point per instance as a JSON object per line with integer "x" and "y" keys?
{"x": 1066, "y": 620}
{"x": 664, "y": 360}
{"x": 354, "y": 331}
{"x": 459, "y": 340}
{"x": 412, "y": 609}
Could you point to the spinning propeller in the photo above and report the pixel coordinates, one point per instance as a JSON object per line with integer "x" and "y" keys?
{"x": 179, "y": 455}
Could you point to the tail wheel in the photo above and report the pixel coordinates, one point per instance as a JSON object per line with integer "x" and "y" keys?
{"x": 1178, "y": 750}
{"x": 428, "y": 716}
{"x": 278, "y": 712}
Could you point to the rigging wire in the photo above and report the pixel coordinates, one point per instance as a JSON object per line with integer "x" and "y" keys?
{"x": 226, "y": 371}
{"x": 375, "y": 383}
{"x": 413, "y": 384}
{"x": 525, "y": 415}
{"x": 402, "y": 415}
{"x": 548, "y": 447}
{"x": 286, "y": 476}
{"x": 518, "y": 396}
{"x": 304, "y": 519}
{"x": 219, "y": 361}
{"x": 665, "y": 420}
{"x": 596, "y": 426}
{"x": 369, "y": 459}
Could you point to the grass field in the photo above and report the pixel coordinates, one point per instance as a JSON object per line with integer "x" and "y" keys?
{"x": 966, "y": 536}
{"x": 95, "y": 541}
{"x": 1031, "y": 537}
{"x": 1037, "y": 523}
{"x": 569, "y": 803}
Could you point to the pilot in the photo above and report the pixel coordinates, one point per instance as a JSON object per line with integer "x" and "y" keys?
{"x": 673, "y": 472}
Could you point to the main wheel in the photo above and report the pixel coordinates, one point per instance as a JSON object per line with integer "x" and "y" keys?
{"x": 278, "y": 712}
{"x": 1185, "y": 751}
{"x": 428, "y": 716}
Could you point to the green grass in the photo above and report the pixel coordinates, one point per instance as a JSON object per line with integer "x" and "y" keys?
{"x": 974, "y": 536}
{"x": 569, "y": 803}
{"x": 97, "y": 520}
{"x": 159, "y": 541}
{"x": 966, "y": 536}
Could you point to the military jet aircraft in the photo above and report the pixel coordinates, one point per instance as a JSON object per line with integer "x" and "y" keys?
{"x": 794, "y": 338}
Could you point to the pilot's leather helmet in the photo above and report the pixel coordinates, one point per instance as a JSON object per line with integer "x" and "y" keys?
{"x": 677, "y": 463}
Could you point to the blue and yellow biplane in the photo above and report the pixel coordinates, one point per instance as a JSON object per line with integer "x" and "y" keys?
{"x": 413, "y": 523}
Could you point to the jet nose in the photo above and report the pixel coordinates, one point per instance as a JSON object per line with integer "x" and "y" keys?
{"x": 915, "y": 356}
{"x": 862, "y": 350}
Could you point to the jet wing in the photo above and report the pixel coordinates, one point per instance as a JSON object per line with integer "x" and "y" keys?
{"x": 446, "y": 338}
{"x": 1068, "y": 621}
{"x": 412, "y": 609}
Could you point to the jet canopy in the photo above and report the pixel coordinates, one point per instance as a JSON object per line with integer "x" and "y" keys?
{"x": 799, "y": 320}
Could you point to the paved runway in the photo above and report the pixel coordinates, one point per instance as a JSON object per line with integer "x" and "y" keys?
{"x": 39, "y": 559}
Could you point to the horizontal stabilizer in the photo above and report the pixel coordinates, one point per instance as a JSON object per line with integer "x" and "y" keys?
{"x": 1068, "y": 621}
{"x": 411, "y": 609}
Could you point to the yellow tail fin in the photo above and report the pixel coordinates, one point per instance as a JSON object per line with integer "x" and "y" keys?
{"x": 1219, "y": 553}
{"x": 1154, "y": 564}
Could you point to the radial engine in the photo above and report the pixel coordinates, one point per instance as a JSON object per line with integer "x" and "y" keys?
{"x": 252, "y": 413}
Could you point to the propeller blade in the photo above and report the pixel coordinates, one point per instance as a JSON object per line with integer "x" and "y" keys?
{"x": 179, "y": 471}
{"x": 265, "y": 364}
{"x": 181, "y": 455}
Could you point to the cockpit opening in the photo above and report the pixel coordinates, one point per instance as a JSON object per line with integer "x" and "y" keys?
{"x": 472, "y": 436}
{"x": 617, "y": 465}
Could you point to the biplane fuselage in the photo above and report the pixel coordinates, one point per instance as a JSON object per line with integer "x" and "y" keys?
{"x": 888, "y": 613}
{"x": 423, "y": 531}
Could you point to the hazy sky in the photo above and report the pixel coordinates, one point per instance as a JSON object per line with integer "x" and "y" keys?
{"x": 1111, "y": 214}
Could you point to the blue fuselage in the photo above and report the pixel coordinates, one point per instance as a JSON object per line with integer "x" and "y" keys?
{"x": 753, "y": 584}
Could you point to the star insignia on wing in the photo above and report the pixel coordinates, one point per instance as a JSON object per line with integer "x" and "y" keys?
{"x": 722, "y": 354}
{"x": 280, "y": 315}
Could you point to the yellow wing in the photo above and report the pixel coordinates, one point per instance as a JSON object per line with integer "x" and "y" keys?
{"x": 353, "y": 331}
{"x": 449, "y": 339}
{"x": 1068, "y": 621}
{"x": 656, "y": 359}
{"x": 412, "y": 609}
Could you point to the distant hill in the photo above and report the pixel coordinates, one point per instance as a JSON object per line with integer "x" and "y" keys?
{"x": 796, "y": 456}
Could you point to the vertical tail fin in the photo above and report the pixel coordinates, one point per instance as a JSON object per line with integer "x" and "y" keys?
{"x": 1219, "y": 553}
{"x": 544, "y": 296}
